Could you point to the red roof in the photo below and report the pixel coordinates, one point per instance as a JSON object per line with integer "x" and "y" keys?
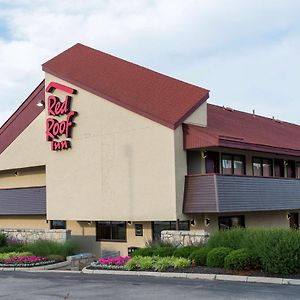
{"x": 22, "y": 117}
{"x": 236, "y": 129}
{"x": 158, "y": 97}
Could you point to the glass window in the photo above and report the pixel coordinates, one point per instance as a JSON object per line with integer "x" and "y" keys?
{"x": 262, "y": 166}
{"x": 226, "y": 164}
{"x": 233, "y": 164}
{"x": 298, "y": 169}
{"x": 111, "y": 231}
{"x": 138, "y": 229}
{"x": 267, "y": 167}
{"x": 57, "y": 224}
{"x": 290, "y": 169}
{"x": 238, "y": 165}
{"x": 159, "y": 226}
{"x": 256, "y": 164}
{"x": 231, "y": 222}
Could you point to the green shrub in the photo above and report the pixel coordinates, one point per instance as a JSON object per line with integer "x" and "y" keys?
{"x": 199, "y": 256}
{"x": 143, "y": 252}
{"x": 7, "y": 249}
{"x": 156, "y": 263}
{"x": 181, "y": 262}
{"x": 216, "y": 256}
{"x": 184, "y": 252}
{"x": 163, "y": 251}
{"x": 277, "y": 250}
{"x": 241, "y": 259}
{"x": 3, "y": 240}
{"x": 47, "y": 247}
{"x": 233, "y": 238}
{"x": 4, "y": 256}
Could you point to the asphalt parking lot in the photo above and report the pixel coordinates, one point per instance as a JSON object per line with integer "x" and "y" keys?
{"x": 44, "y": 285}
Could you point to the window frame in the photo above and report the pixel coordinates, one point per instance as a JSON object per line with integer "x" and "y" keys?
{"x": 170, "y": 224}
{"x": 242, "y": 217}
{"x": 261, "y": 161}
{"x": 232, "y": 155}
{"x": 98, "y": 239}
{"x": 52, "y": 226}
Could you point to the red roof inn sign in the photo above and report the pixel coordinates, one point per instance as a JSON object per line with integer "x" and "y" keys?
{"x": 55, "y": 128}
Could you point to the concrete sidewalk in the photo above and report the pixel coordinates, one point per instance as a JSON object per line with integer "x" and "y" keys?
{"x": 274, "y": 280}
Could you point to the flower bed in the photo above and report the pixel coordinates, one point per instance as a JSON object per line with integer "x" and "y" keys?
{"x": 25, "y": 261}
{"x": 111, "y": 263}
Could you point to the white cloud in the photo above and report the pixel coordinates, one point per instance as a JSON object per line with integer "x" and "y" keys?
{"x": 245, "y": 52}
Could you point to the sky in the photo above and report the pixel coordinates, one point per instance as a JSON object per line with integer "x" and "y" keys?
{"x": 247, "y": 53}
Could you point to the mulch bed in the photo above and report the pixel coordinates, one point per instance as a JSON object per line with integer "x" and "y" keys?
{"x": 207, "y": 270}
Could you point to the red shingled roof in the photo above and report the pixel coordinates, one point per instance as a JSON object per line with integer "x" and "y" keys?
{"x": 236, "y": 129}
{"x": 22, "y": 117}
{"x": 158, "y": 97}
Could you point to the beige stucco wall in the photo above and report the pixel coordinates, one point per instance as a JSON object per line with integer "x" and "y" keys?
{"x": 121, "y": 166}
{"x": 199, "y": 116}
{"x": 24, "y": 222}
{"x": 272, "y": 219}
{"x": 84, "y": 234}
{"x": 28, "y": 149}
{"x": 27, "y": 177}
{"x": 180, "y": 170}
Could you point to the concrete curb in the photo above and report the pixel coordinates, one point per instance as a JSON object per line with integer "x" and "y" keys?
{"x": 53, "y": 267}
{"x": 221, "y": 277}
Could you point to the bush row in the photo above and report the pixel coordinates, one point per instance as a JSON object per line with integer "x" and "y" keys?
{"x": 157, "y": 263}
{"x": 276, "y": 250}
{"x": 44, "y": 248}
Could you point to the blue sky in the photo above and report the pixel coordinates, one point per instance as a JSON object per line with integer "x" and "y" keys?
{"x": 247, "y": 53}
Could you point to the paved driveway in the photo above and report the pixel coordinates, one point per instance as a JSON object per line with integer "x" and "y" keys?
{"x": 24, "y": 285}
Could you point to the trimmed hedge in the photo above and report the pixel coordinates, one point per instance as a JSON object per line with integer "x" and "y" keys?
{"x": 199, "y": 256}
{"x": 216, "y": 257}
{"x": 241, "y": 259}
{"x": 185, "y": 251}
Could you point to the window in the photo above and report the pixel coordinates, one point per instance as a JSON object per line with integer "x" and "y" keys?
{"x": 298, "y": 169}
{"x": 111, "y": 231}
{"x": 231, "y": 222}
{"x": 233, "y": 164}
{"x": 262, "y": 166}
{"x": 138, "y": 229}
{"x": 159, "y": 226}
{"x": 57, "y": 224}
{"x": 290, "y": 169}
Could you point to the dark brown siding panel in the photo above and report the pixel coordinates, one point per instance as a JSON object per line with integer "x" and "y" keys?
{"x": 199, "y": 194}
{"x": 242, "y": 193}
{"x": 23, "y": 201}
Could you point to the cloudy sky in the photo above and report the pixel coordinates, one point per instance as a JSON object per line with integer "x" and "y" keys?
{"x": 247, "y": 53}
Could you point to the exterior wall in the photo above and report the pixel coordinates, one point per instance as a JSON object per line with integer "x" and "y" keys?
{"x": 121, "y": 166}
{"x": 85, "y": 235}
{"x": 29, "y": 149}
{"x": 270, "y": 219}
{"x": 28, "y": 177}
{"x": 132, "y": 240}
{"x": 248, "y": 155}
{"x": 180, "y": 171}
{"x": 199, "y": 116}
{"x": 24, "y": 222}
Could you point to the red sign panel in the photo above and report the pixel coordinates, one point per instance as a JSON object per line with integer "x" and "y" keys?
{"x": 57, "y": 129}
